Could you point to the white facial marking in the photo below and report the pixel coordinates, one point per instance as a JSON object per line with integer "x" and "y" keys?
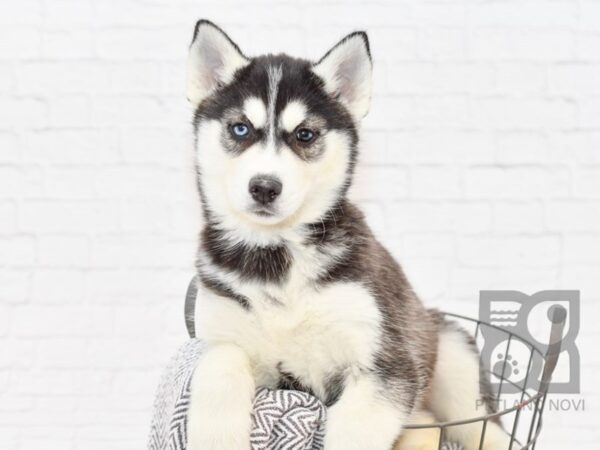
{"x": 292, "y": 115}
{"x": 275, "y": 74}
{"x": 256, "y": 112}
{"x": 309, "y": 189}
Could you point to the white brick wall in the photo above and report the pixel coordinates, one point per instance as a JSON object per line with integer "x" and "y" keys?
{"x": 481, "y": 170}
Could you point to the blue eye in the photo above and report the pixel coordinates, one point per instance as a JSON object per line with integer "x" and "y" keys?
{"x": 240, "y": 130}
{"x": 305, "y": 135}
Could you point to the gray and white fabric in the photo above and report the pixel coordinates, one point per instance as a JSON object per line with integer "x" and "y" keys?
{"x": 169, "y": 420}
{"x": 287, "y": 420}
{"x": 281, "y": 419}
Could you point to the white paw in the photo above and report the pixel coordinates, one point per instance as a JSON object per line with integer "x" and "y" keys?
{"x": 339, "y": 442}
{"x": 419, "y": 439}
{"x": 217, "y": 430}
{"x": 347, "y": 430}
{"x": 222, "y": 390}
{"x": 362, "y": 420}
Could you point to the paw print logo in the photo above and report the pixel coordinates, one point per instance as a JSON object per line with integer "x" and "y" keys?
{"x": 506, "y": 364}
{"x": 530, "y": 319}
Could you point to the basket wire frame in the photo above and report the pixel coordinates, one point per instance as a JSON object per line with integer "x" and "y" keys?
{"x": 530, "y": 400}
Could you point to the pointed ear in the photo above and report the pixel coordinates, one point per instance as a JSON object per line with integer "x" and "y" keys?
{"x": 213, "y": 60}
{"x": 346, "y": 70}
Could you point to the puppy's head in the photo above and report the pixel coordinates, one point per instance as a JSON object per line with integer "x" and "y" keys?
{"x": 276, "y": 136}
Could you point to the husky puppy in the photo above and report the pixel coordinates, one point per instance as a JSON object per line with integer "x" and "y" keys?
{"x": 295, "y": 290}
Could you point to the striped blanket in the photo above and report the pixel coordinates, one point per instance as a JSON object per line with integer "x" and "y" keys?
{"x": 281, "y": 420}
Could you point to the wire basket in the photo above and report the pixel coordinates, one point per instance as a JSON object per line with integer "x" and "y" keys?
{"x": 522, "y": 420}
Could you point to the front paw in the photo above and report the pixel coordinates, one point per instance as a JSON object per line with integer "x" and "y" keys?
{"x": 222, "y": 390}
{"x": 208, "y": 431}
{"x": 337, "y": 442}
{"x": 218, "y": 421}
{"x": 344, "y": 433}
{"x": 419, "y": 439}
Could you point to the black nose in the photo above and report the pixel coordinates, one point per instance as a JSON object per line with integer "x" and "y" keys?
{"x": 264, "y": 189}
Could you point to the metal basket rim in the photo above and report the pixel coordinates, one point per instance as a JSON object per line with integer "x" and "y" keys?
{"x": 484, "y": 418}
{"x": 487, "y": 324}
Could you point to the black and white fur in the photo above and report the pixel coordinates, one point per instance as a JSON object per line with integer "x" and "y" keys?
{"x": 297, "y": 293}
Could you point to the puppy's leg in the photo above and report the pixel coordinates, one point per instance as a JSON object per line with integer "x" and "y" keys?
{"x": 455, "y": 391}
{"x": 363, "y": 418}
{"x": 222, "y": 391}
{"x": 420, "y": 438}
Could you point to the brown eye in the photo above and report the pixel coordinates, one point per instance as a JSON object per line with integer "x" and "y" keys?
{"x": 305, "y": 135}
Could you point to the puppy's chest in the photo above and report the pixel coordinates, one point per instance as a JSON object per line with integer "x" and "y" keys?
{"x": 308, "y": 338}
